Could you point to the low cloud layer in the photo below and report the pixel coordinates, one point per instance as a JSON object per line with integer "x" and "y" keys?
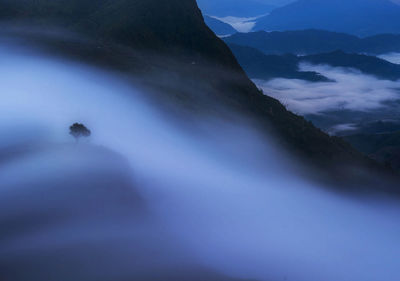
{"x": 240, "y": 24}
{"x": 391, "y": 57}
{"x": 350, "y": 90}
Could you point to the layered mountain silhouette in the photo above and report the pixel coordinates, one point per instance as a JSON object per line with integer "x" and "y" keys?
{"x": 304, "y": 42}
{"x": 219, "y": 27}
{"x": 366, "y": 64}
{"x": 169, "y": 40}
{"x": 358, "y": 17}
{"x": 261, "y": 66}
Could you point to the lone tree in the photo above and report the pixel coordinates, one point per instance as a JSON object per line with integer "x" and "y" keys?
{"x": 78, "y": 130}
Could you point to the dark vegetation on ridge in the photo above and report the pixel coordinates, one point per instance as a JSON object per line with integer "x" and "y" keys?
{"x": 384, "y": 147}
{"x": 169, "y": 40}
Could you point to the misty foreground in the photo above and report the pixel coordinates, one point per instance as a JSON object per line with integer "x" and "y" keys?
{"x": 191, "y": 173}
{"x": 149, "y": 200}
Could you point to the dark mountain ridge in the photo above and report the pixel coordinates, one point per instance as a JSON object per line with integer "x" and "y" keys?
{"x": 380, "y": 68}
{"x": 261, "y": 66}
{"x": 304, "y": 42}
{"x": 383, "y": 147}
{"x": 148, "y": 25}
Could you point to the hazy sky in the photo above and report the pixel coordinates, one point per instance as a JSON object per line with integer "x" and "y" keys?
{"x": 276, "y": 2}
{"x": 236, "y": 2}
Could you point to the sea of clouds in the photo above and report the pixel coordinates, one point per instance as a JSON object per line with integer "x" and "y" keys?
{"x": 348, "y": 90}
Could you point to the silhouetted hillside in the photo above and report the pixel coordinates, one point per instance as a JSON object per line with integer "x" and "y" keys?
{"x": 383, "y": 147}
{"x": 150, "y": 25}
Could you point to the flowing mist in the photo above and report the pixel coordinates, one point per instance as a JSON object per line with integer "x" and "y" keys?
{"x": 145, "y": 196}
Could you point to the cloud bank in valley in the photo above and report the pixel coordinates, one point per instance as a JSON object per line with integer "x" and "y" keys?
{"x": 240, "y": 24}
{"x": 349, "y": 90}
{"x": 391, "y": 57}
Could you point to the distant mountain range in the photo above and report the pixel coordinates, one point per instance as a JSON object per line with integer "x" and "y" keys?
{"x": 378, "y": 139}
{"x": 370, "y": 65}
{"x": 262, "y": 66}
{"x": 219, "y": 27}
{"x": 357, "y": 17}
{"x": 306, "y": 42}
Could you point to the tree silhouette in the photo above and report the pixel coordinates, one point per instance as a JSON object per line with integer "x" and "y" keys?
{"x": 78, "y": 130}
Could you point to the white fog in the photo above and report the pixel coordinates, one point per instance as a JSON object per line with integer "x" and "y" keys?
{"x": 244, "y": 216}
{"x": 348, "y": 90}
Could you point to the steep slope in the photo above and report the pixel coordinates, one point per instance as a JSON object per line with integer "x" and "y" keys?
{"x": 303, "y": 42}
{"x": 197, "y": 67}
{"x": 220, "y": 28}
{"x": 358, "y": 17}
